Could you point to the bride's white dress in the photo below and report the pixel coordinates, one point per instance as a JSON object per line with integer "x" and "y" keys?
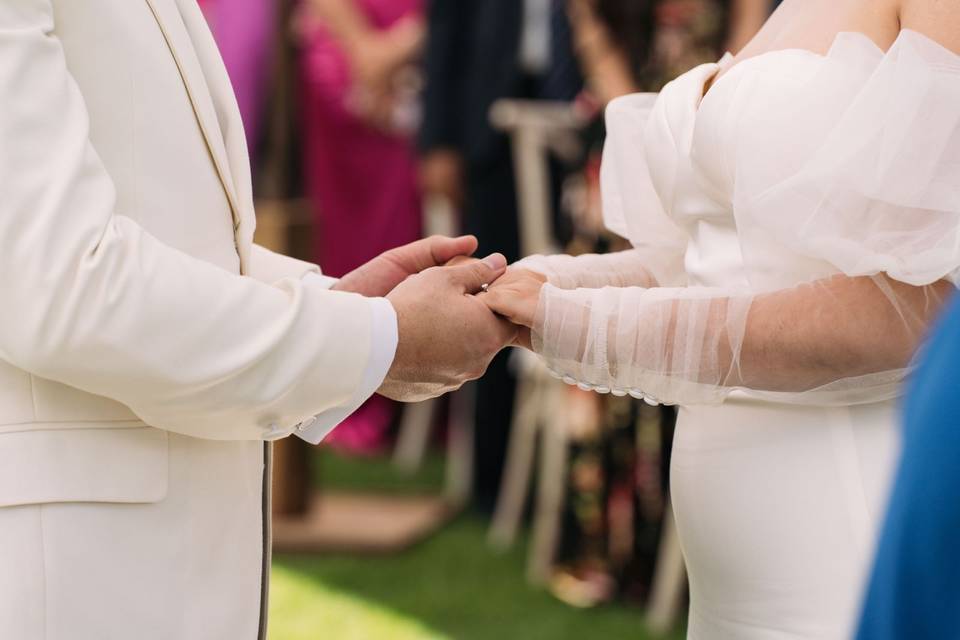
{"x": 793, "y": 167}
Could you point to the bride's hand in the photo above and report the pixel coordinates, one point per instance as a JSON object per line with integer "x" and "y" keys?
{"x": 515, "y": 296}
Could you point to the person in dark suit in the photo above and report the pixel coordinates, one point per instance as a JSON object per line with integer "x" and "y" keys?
{"x": 477, "y": 52}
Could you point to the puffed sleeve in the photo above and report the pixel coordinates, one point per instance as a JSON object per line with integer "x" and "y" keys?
{"x": 878, "y": 191}
{"x": 876, "y": 199}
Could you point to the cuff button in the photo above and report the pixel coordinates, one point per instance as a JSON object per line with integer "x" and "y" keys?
{"x": 306, "y": 424}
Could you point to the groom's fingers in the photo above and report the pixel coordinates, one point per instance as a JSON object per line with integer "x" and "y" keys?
{"x": 506, "y": 332}
{"x": 443, "y": 249}
{"x": 431, "y": 252}
{"x": 473, "y": 275}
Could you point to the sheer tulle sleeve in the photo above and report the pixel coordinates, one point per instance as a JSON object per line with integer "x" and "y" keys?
{"x": 840, "y": 340}
{"x": 876, "y": 199}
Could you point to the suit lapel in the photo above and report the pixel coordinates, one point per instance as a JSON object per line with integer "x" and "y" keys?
{"x": 224, "y": 102}
{"x": 182, "y": 48}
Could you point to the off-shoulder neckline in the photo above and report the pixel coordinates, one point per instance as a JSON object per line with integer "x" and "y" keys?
{"x": 725, "y": 65}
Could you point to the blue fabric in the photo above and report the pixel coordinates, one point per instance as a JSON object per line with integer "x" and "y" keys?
{"x": 914, "y": 592}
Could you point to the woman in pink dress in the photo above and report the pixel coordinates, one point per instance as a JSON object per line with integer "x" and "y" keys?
{"x": 358, "y": 150}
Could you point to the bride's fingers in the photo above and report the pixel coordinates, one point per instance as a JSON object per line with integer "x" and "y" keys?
{"x": 497, "y": 302}
{"x": 511, "y": 304}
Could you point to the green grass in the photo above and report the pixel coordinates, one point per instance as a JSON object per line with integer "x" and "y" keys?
{"x": 451, "y": 587}
{"x": 302, "y": 606}
{"x": 376, "y": 474}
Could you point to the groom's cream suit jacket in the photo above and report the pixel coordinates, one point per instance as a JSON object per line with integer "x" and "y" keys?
{"x": 140, "y": 374}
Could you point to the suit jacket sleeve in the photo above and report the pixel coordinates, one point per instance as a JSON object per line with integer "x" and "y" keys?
{"x": 270, "y": 267}
{"x": 89, "y": 299}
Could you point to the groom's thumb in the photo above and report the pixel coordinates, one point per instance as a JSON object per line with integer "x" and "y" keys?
{"x": 445, "y": 249}
{"x": 473, "y": 275}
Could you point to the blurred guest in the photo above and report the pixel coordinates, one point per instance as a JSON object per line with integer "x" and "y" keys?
{"x": 915, "y": 590}
{"x": 357, "y": 92}
{"x": 616, "y": 490}
{"x": 612, "y": 40}
{"x": 243, "y": 30}
{"x": 625, "y": 46}
{"x": 479, "y": 51}
{"x": 688, "y": 33}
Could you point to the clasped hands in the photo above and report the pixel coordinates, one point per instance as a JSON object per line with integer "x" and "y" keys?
{"x": 449, "y": 326}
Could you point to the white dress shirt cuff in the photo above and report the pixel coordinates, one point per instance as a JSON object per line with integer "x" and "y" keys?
{"x": 382, "y": 351}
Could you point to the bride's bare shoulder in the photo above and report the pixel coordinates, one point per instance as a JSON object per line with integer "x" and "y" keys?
{"x": 814, "y": 24}
{"x": 936, "y": 19}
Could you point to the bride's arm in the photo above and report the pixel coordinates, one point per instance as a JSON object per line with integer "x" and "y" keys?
{"x": 933, "y": 18}
{"x": 843, "y": 339}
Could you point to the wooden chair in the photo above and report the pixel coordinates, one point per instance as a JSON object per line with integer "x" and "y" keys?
{"x": 535, "y": 128}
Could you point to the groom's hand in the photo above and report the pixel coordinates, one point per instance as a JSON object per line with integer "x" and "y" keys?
{"x": 447, "y": 335}
{"x": 381, "y": 275}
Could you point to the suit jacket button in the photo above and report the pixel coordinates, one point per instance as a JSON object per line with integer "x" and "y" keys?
{"x": 306, "y": 424}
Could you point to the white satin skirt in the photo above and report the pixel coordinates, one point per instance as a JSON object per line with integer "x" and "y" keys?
{"x": 777, "y": 508}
